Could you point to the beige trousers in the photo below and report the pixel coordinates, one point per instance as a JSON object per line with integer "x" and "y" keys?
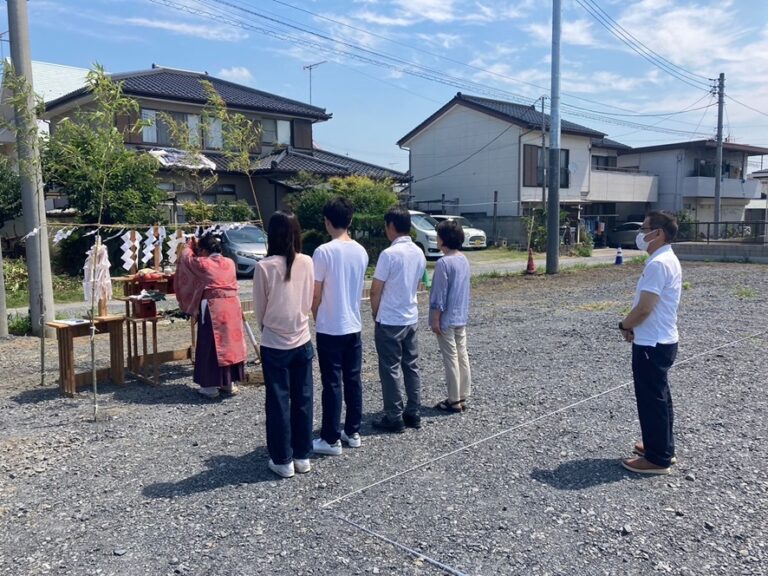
{"x": 453, "y": 347}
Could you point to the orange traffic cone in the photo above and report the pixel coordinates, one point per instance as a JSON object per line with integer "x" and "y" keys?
{"x": 531, "y": 268}
{"x": 619, "y": 257}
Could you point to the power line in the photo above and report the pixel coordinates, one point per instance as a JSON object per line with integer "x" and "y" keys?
{"x": 368, "y": 56}
{"x": 746, "y": 105}
{"x": 692, "y": 75}
{"x": 640, "y": 48}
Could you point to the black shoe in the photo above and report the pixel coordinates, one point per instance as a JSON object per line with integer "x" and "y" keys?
{"x": 412, "y": 420}
{"x": 389, "y": 425}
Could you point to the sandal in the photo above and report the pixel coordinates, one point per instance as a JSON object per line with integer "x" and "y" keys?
{"x": 448, "y": 406}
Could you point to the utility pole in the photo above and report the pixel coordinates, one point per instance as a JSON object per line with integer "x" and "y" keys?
{"x": 543, "y": 157}
{"x": 553, "y": 201}
{"x": 719, "y": 161}
{"x": 32, "y": 200}
{"x": 311, "y": 67}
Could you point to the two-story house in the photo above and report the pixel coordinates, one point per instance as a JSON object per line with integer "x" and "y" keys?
{"x": 474, "y": 150}
{"x": 686, "y": 172}
{"x": 286, "y": 146}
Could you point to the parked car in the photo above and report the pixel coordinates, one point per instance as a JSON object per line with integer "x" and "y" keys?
{"x": 624, "y": 235}
{"x": 473, "y": 237}
{"x": 245, "y": 246}
{"x": 426, "y": 237}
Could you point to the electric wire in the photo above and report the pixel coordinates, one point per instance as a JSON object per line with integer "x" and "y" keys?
{"x": 746, "y": 105}
{"x": 655, "y": 55}
{"x": 626, "y": 39}
{"x": 373, "y": 57}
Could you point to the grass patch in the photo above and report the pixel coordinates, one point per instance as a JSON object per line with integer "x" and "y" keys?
{"x": 686, "y": 285}
{"x": 603, "y": 306}
{"x": 19, "y": 324}
{"x": 489, "y": 276}
{"x": 745, "y": 292}
{"x": 639, "y": 259}
{"x": 494, "y": 254}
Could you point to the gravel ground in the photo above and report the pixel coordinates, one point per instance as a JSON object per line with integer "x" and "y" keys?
{"x": 165, "y": 483}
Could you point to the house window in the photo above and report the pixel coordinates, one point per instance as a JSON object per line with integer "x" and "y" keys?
{"x": 604, "y": 162}
{"x": 149, "y": 133}
{"x": 533, "y": 166}
{"x": 284, "y": 132}
{"x": 268, "y": 130}
{"x": 213, "y": 139}
{"x": 193, "y": 123}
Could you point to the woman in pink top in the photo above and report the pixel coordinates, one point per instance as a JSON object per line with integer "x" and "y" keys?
{"x": 283, "y": 285}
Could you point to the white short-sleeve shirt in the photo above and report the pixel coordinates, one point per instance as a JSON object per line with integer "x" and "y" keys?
{"x": 400, "y": 267}
{"x": 662, "y": 276}
{"x": 340, "y": 265}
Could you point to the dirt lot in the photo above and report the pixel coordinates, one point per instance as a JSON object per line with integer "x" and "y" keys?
{"x": 526, "y": 482}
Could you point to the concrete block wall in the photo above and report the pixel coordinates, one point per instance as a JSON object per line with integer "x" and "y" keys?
{"x": 722, "y": 251}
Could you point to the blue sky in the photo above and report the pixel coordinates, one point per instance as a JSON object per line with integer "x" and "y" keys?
{"x": 390, "y": 63}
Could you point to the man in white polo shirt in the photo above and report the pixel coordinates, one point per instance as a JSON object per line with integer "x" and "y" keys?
{"x": 395, "y": 311}
{"x": 651, "y": 327}
{"x": 340, "y": 267}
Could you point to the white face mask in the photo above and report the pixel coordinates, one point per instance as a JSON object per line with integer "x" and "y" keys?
{"x": 640, "y": 240}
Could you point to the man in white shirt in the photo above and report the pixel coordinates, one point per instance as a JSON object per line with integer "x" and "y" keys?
{"x": 651, "y": 327}
{"x": 395, "y": 311}
{"x": 340, "y": 267}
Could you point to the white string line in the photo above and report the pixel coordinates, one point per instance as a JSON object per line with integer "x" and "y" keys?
{"x": 403, "y": 547}
{"x": 522, "y": 425}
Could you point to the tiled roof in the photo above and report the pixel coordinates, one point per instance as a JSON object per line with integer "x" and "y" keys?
{"x": 323, "y": 163}
{"x": 610, "y": 144}
{"x": 526, "y": 116}
{"x": 186, "y": 86}
{"x": 290, "y": 162}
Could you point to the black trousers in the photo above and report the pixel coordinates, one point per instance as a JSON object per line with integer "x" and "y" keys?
{"x": 650, "y": 365}
{"x": 340, "y": 359}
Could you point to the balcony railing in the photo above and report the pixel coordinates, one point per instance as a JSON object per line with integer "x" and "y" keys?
{"x": 704, "y": 187}
{"x": 744, "y": 232}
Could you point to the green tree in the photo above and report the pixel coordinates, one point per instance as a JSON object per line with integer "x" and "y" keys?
{"x": 241, "y": 138}
{"x": 370, "y": 198}
{"x": 10, "y": 192}
{"x": 86, "y": 158}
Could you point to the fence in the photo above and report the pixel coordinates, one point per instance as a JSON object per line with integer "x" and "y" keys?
{"x": 745, "y": 232}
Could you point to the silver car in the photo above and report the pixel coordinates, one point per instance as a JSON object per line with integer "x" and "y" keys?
{"x": 245, "y": 246}
{"x": 624, "y": 235}
{"x": 473, "y": 237}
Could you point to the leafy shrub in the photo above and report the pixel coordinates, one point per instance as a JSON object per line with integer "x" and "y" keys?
{"x": 238, "y": 211}
{"x": 311, "y": 239}
{"x": 16, "y": 275}
{"x": 19, "y": 324}
{"x": 197, "y": 212}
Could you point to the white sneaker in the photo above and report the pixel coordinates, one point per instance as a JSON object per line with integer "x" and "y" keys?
{"x": 283, "y": 470}
{"x": 353, "y": 441}
{"x": 320, "y": 446}
{"x": 302, "y": 465}
{"x": 209, "y": 392}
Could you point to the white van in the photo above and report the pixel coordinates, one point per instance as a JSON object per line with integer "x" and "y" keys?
{"x": 426, "y": 236}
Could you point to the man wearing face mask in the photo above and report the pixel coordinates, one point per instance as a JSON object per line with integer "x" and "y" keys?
{"x": 651, "y": 327}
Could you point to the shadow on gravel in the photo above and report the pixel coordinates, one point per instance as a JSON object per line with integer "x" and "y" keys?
{"x": 136, "y": 392}
{"x": 36, "y": 395}
{"x": 582, "y": 474}
{"x": 223, "y": 471}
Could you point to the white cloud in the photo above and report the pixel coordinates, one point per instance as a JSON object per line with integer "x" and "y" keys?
{"x": 204, "y": 31}
{"x": 239, "y": 74}
{"x": 574, "y": 32}
{"x": 443, "y": 40}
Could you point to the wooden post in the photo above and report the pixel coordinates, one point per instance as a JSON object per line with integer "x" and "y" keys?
{"x": 180, "y": 243}
{"x": 158, "y": 253}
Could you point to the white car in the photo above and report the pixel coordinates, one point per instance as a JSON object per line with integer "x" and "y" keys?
{"x": 426, "y": 236}
{"x": 473, "y": 237}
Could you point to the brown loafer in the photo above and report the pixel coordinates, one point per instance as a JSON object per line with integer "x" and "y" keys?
{"x": 639, "y": 449}
{"x": 642, "y": 466}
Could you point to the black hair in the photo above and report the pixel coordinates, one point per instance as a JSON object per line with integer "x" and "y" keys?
{"x": 284, "y": 238}
{"x": 451, "y": 233}
{"x": 400, "y": 218}
{"x": 210, "y": 242}
{"x": 663, "y": 220}
{"x": 339, "y": 212}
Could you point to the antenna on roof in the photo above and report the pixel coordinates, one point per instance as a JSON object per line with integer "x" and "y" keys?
{"x": 311, "y": 67}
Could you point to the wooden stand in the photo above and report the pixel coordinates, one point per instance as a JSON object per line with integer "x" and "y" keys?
{"x": 65, "y": 335}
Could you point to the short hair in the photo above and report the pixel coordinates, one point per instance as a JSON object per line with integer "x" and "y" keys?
{"x": 339, "y": 212}
{"x": 400, "y": 218}
{"x": 663, "y": 220}
{"x": 451, "y": 233}
{"x": 209, "y": 242}
{"x": 284, "y": 238}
